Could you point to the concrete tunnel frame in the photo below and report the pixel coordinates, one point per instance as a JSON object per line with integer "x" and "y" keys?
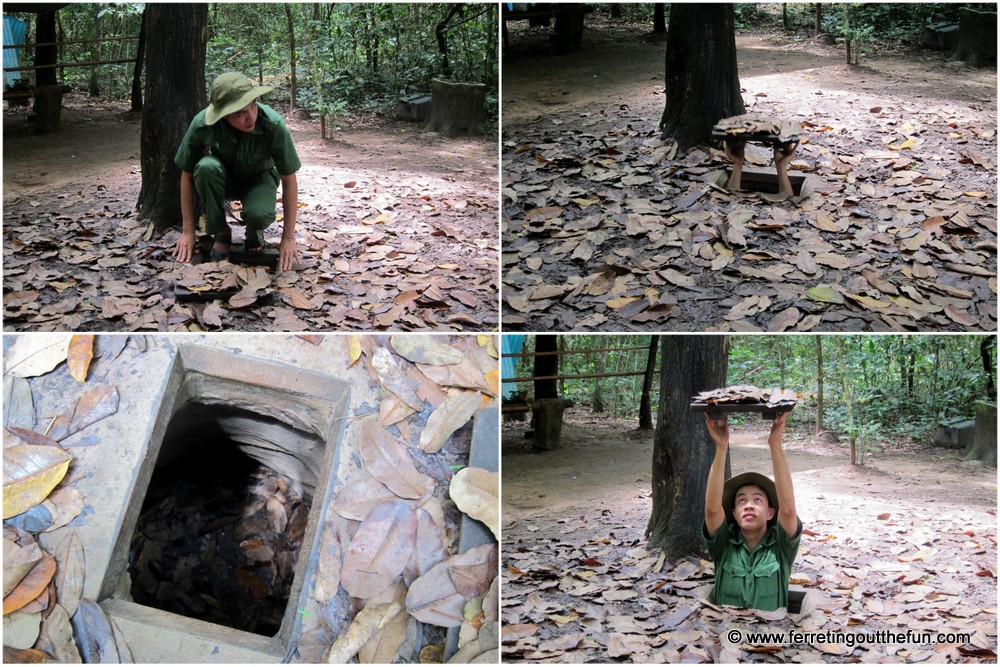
{"x": 306, "y": 402}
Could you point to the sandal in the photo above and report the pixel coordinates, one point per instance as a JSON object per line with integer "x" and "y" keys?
{"x": 224, "y": 238}
{"x": 254, "y": 242}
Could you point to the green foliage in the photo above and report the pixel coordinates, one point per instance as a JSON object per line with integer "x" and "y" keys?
{"x": 350, "y": 57}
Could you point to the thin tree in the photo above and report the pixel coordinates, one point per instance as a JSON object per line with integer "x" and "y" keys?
{"x": 292, "y": 58}
{"x": 175, "y": 92}
{"x": 546, "y": 365}
{"x": 820, "y": 376}
{"x": 646, "y": 401}
{"x": 659, "y": 19}
{"x": 140, "y": 57}
{"x": 682, "y": 450}
{"x": 702, "y": 81}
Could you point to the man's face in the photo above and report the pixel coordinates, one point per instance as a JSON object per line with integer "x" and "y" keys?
{"x": 245, "y": 119}
{"x": 752, "y": 509}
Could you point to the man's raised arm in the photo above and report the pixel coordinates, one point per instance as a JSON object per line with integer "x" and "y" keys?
{"x": 715, "y": 513}
{"x": 787, "y": 516}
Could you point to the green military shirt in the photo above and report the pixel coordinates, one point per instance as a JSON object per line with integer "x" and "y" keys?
{"x": 758, "y": 578}
{"x": 268, "y": 146}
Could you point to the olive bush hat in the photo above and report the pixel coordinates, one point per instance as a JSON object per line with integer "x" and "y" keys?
{"x": 231, "y": 92}
{"x": 733, "y": 484}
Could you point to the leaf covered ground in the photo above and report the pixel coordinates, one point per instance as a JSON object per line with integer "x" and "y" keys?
{"x": 396, "y": 231}
{"x": 605, "y": 225}
{"x": 907, "y": 542}
{"x": 390, "y": 574}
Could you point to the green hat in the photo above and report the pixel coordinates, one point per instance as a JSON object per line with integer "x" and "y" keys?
{"x": 231, "y": 92}
{"x": 733, "y": 484}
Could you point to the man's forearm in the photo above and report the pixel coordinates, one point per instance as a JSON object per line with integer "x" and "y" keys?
{"x": 289, "y": 205}
{"x": 782, "y": 478}
{"x": 188, "y": 202}
{"x": 714, "y": 512}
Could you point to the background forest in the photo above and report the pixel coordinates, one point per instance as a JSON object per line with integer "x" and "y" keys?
{"x": 895, "y": 386}
{"x": 341, "y": 59}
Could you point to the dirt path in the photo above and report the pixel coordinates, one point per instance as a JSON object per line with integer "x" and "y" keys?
{"x": 397, "y": 230}
{"x": 919, "y": 220}
{"x": 592, "y": 499}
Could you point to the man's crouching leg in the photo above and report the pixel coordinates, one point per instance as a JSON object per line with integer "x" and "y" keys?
{"x": 259, "y": 204}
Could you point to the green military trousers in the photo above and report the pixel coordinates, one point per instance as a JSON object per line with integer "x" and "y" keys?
{"x": 258, "y": 194}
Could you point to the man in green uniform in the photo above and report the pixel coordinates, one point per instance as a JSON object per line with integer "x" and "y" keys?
{"x": 244, "y": 157}
{"x": 751, "y": 528}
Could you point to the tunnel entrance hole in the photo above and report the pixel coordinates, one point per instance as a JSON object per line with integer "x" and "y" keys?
{"x": 223, "y": 521}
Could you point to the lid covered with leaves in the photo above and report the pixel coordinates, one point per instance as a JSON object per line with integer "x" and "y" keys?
{"x": 744, "y": 396}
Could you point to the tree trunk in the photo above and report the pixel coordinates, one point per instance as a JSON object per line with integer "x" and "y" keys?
{"x": 45, "y": 33}
{"x": 784, "y": 15}
{"x": 659, "y": 18}
{"x": 819, "y": 20}
{"x": 175, "y": 90}
{"x": 95, "y": 83}
{"x": 545, "y": 366}
{"x": 846, "y": 387}
{"x": 457, "y": 108}
{"x": 568, "y": 32}
{"x": 682, "y": 450}
{"x": 702, "y": 81}
{"x": 986, "y": 347}
{"x": 597, "y": 402}
{"x": 441, "y": 32}
{"x": 292, "y": 58}
{"x": 984, "y": 438}
{"x": 616, "y": 10}
{"x": 819, "y": 382}
{"x": 140, "y": 56}
{"x": 646, "y": 401}
{"x": 977, "y": 38}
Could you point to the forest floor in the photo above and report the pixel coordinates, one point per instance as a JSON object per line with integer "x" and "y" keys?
{"x": 396, "y": 230}
{"x": 906, "y": 541}
{"x": 605, "y": 225}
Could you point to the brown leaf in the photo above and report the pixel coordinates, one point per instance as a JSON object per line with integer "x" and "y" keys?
{"x": 330, "y": 557}
{"x": 384, "y": 645}
{"x": 30, "y": 472}
{"x": 450, "y": 416}
{"x": 80, "y": 352}
{"x": 33, "y": 584}
{"x": 389, "y": 462}
{"x": 69, "y": 576}
{"x": 425, "y": 349}
{"x": 380, "y": 549}
{"x": 57, "y": 636}
{"x": 476, "y": 493}
{"x": 430, "y": 546}
{"x": 392, "y": 410}
{"x": 245, "y": 297}
{"x": 543, "y": 213}
{"x": 37, "y": 354}
{"x": 276, "y": 515}
{"x": 100, "y": 402}
{"x": 961, "y": 316}
{"x": 18, "y": 404}
{"x": 356, "y": 500}
{"x": 391, "y": 376}
{"x": 32, "y": 438}
{"x": 211, "y": 314}
{"x": 24, "y": 656}
{"x": 783, "y": 320}
{"x": 18, "y": 562}
{"x": 20, "y": 630}
{"x": 439, "y": 596}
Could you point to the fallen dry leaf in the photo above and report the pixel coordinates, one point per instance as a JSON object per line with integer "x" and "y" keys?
{"x": 380, "y": 549}
{"x": 79, "y": 354}
{"x": 37, "y": 354}
{"x": 476, "y": 492}
{"x": 388, "y": 461}
{"x": 450, "y": 416}
{"x": 30, "y": 472}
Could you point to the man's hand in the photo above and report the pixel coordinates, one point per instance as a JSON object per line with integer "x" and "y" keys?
{"x": 735, "y": 149}
{"x": 784, "y": 154}
{"x": 718, "y": 430}
{"x": 185, "y": 246}
{"x": 777, "y": 429}
{"x": 287, "y": 252}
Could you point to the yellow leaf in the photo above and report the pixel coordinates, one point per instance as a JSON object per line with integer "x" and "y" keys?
{"x": 977, "y": 193}
{"x": 30, "y": 472}
{"x": 476, "y": 493}
{"x": 492, "y": 379}
{"x": 450, "y": 416}
{"x": 489, "y": 344}
{"x": 909, "y": 143}
{"x": 81, "y": 351}
{"x": 353, "y": 348}
{"x": 623, "y": 301}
